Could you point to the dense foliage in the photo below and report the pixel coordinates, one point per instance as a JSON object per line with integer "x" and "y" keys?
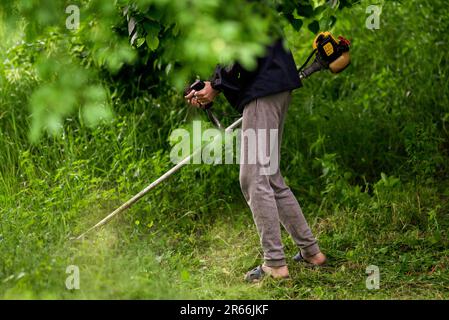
{"x": 173, "y": 40}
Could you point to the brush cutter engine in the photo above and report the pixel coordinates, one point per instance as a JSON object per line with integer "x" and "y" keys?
{"x": 330, "y": 53}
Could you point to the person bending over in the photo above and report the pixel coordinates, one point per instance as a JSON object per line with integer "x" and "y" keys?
{"x": 263, "y": 96}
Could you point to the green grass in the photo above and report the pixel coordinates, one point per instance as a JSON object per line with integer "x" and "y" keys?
{"x": 175, "y": 247}
{"x": 208, "y": 262}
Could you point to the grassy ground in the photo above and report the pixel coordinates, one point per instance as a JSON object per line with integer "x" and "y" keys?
{"x": 209, "y": 260}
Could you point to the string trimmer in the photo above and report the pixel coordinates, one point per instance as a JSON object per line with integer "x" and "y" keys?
{"x": 330, "y": 53}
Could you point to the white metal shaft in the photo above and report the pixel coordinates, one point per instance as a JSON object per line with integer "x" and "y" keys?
{"x": 162, "y": 178}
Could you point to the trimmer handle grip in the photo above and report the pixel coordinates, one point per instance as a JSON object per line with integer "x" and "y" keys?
{"x": 197, "y": 86}
{"x": 314, "y": 67}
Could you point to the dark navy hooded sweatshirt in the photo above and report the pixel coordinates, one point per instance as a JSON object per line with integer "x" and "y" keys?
{"x": 276, "y": 72}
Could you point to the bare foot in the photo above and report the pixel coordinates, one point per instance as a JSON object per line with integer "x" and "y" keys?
{"x": 276, "y": 272}
{"x": 318, "y": 259}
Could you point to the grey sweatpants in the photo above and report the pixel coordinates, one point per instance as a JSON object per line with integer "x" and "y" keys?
{"x": 270, "y": 199}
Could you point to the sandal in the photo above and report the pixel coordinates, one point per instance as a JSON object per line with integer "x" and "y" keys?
{"x": 258, "y": 274}
{"x": 300, "y": 258}
{"x": 255, "y": 275}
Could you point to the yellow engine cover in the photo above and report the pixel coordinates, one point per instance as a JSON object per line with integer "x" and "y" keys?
{"x": 324, "y": 34}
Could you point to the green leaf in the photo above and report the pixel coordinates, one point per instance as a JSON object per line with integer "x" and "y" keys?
{"x": 318, "y": 10}
{"x": 327, "y": 22}
{"x": 152, "y": 29}
{"x": 140, "y": 42}
{"x": 296, "y": 23}
{"x": 314, "y": 27}
{"x": 152, "y": 42}
{"x": 305, "y": 10}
